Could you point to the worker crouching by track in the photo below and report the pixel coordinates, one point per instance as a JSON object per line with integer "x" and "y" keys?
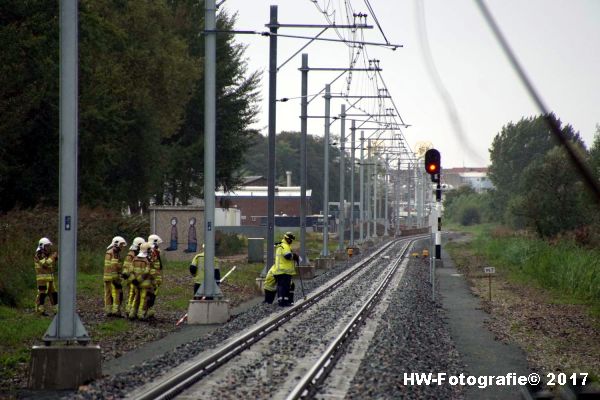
{"x": 284, "y": 269}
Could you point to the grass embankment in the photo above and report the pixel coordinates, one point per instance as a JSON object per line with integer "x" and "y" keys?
{"x": 545, "y": 295}
{"x": 571, "y": 273}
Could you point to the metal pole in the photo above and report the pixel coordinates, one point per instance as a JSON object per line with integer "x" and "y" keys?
{"x": 325, "y": 251}
{"x": 353, "y": 144}
{"x": 272, "y": 132}
{"x": 362, "y": 186}
{"x": 419, "y": 182}
{"x": 409, "y": 214}
{"x": 399, "y": 205}
{"x": 375, "y": 176}
{"x": 385, "y": 188}
{"x": 66, "y": 325}
{"x": 438, "y": 234}
{"x": 209, "y": 287}
{"x": 342, "y": 226}
{"x": 303, "y": 129}
{"x": 368, "y": 199}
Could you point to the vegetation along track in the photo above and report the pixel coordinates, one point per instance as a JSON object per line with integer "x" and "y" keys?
{"x": 296, "y": 338}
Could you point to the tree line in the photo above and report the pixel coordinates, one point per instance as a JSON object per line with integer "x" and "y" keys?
{"x": 536, "y": 187}
{"x": 141, "y": 103}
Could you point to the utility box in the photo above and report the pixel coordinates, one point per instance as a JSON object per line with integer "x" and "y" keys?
{"x": 256, "y": 250}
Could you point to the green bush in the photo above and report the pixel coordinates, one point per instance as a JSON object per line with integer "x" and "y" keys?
{"x": 227, "y": 244}
{"x": 470, "y": 216}
{"x": 466, "y": 207}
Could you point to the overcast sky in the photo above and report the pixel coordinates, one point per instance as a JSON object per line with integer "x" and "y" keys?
{"x": 556, "y": 41}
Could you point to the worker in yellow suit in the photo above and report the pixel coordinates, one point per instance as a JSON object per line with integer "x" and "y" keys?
{"x": 142, "y": 279}
{"x": 113, "y": 288}
{"x": 156, "y": 267}
{"x": 197, "y": 270}
{"x": 128, "y": 274}
{"x": 45, "y": 266}
{"x": 285, "y": 268}
{"x": 270, "y": 286}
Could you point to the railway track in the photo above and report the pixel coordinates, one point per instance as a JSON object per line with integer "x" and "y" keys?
{"x": 248, "y": 364}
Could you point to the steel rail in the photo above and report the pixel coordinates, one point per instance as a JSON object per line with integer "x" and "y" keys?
{"x": 172, "y": 386}
{"x": 320, "y": 370}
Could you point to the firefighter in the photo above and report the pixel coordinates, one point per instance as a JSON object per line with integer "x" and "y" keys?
{"x": 45, "y": 264}
{"x": 156, "y": 267}
{"x": 197, "y": 264}
{"x": 285, "y": 268}
{"x": 140, "y": 271}
{"x": 113, "y": 288}
{"x": 128, "y": 274}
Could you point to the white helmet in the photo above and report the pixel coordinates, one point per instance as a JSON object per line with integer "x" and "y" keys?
{"x": 117, "y": 241}
{"x": 137, "y": 242}
{"x": 144, "y": 247}
{"x": 44, "y": 242}
{"x": 154, "y": 239}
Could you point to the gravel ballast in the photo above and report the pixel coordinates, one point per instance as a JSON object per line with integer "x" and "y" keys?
{"x": 414, "y": 338}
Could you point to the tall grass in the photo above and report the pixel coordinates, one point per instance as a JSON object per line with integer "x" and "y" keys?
{"x": 570, "y": 271}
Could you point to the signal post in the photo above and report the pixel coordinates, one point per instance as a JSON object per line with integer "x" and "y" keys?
{"x": 434, "y": 169}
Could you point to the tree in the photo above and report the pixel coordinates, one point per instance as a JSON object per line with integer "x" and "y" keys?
{"x": 594, "y": 154}
{"x": 135, "y": 74}
{"x": 516, "y": 147}
{"x": 28, "y": 103}
{"x": 141, "y": 102}
{"x": 553, "y": 201}
{"x": 236, "y": 104}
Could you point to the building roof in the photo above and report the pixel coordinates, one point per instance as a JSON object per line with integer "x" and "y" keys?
{"x": 247, "y": 180}
{"x": 465, "y": 170}
{"x": 262, "y": 191}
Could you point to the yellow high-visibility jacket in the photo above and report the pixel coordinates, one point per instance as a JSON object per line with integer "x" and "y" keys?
{"x": 198, "y": 262}
{"x": 270, "y": 283}
{"x": 284, "y": 263}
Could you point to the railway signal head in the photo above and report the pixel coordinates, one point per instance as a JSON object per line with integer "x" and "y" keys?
{"x": 432, "y": 164}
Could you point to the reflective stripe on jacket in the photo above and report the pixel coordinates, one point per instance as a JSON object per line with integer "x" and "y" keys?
{"x": 44, "y": 267}
{"x": 283, "y": 265}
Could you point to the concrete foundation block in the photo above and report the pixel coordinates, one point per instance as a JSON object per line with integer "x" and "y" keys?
{"x": 324, "y": 262}
{"x": 206, "y": 312}
{"x": 61, "y": 367}
{"x": 340, "y": 255}
{"x": 260, "y": 283}
{"x": 306, "y": 272}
